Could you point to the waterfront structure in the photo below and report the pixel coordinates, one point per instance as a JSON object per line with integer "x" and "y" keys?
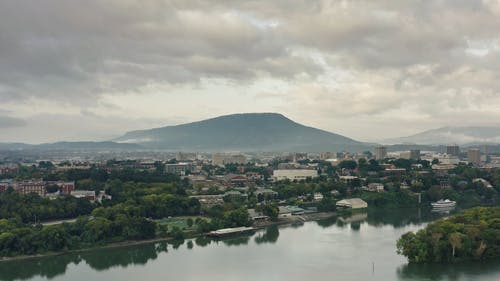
{"x": 230, "y": 231}
{"x": 352, "y": 203}
{"x": 453, "y": 149}
{"x": 284, "y": 212}
{"x": 294, "y": 174}
{"x": 474, "y": 156}
{"x": 380, "y": 152}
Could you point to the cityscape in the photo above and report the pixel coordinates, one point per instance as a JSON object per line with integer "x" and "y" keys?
{"x": 249, "y": 140}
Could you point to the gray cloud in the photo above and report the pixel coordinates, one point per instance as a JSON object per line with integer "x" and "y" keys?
{"x": 10, "y": 122}
{"x": 435, "y": 59}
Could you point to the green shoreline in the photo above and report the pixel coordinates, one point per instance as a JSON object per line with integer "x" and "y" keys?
{"x": 306, "y": 217}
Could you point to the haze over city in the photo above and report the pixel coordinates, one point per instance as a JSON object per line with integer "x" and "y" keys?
{"x": 369, "y": 70}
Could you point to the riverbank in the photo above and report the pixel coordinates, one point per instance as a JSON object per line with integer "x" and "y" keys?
{"x": 257, "y": 225}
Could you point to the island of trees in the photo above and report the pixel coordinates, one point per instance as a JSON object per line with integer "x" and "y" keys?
{"x": 473, "y": 234}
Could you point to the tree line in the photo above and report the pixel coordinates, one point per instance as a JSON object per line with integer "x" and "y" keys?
{"x": 473, "y": 234}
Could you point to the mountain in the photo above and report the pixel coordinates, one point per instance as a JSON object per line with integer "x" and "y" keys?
{"x": 242, "y": 132}
{"x": 81, "y": 145}
{"x": 458, "y": 135}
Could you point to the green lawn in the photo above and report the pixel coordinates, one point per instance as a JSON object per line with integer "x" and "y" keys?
{"x": 180, "y": 222}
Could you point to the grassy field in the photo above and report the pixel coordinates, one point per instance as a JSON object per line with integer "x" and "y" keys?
{"x": 180, "y": 222}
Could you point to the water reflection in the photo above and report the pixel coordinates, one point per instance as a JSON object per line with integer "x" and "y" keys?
{"x": 99, "y": 260}
{"x": 458, "y": 271}
{"x": 237, "y": 241}
{"x": 269, "y": 235}
{"x": 45, "y": 267}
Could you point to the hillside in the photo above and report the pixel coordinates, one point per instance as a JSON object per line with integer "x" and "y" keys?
{"x": 446, "y": 135}
{"x": 242, "y": 132}
{"x": 70, "y": 146}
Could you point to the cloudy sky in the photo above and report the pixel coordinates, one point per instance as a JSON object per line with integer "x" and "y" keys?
{"x": 91, "y": 70}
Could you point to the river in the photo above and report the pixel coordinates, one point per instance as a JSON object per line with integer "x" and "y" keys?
{"x": 358, "y": 247}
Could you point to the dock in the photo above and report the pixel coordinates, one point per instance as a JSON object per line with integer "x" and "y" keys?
{"x": 230, "y": 231}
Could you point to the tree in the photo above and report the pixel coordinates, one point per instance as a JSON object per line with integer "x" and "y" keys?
{"x": 348, "y": 164}
{"x": 270, "y": 210}
{"x": 189, "y": 222}
{"x": 455, "y": 241}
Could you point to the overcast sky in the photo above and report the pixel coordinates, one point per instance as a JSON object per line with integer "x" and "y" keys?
{"x": 91, "y": 70}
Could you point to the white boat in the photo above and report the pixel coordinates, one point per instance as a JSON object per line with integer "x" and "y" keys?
{"x": 443, "y": 204}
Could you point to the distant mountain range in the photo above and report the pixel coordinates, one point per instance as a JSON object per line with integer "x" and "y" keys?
{"x": 242, "y": 132}
{"x": 251, "y": 132}
{"x": 447, "y": 135}
{"x": 80, "y": 145}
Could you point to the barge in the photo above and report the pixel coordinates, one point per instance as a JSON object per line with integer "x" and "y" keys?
{"x": 230, "y": 231}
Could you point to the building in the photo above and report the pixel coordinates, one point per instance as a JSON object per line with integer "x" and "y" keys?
{"x": 474, "y": 156}
{"x": 483, "y": 181}
{"x": 318, "y": 196}
{"x": 415, "y": 154}
{"x": 30, "y": 186}
{"x": 65, "y": 187}
{"x": 294, "y": 174}
{"x": 232, "y": 180}
{"x": 256, "y": 215}
{"x": 375, "y": 187}
{"x": 453, "y": 149}
{"x": 284, "y": 212}
{"x": 87, "y": 194}
{"x": 221, "y": 159}
{"x": 327, "y": 155}
{"x": 380, "y": 152}
{"x": 442, "y": 169}
{"x": 178, "y": 169}
{"x": 9, "y": 169}
{"x": 397, "y": 172}
{"x": 234, "y": 195}
{"x": 4, "y": 185}
{"x": 186, "y": 156}
{"x": 264, "y": 193}
{"x": 352, "y": 203}
{"x": 209, "y": 200}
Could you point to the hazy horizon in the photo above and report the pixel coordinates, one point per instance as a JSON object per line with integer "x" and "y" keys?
{"x": 367, "y": 70}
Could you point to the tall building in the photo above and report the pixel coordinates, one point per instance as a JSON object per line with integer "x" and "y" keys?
{"x": 380, "y": 152}
{"x": 415, "y": 154}
{"x": 474, "y": 156}
{"x": 453, "y": 149}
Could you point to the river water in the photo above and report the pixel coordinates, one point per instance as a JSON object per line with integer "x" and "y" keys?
{"x": 357, "y": 247}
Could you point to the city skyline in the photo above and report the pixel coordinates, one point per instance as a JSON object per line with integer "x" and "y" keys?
{"x": 369, "y": 71}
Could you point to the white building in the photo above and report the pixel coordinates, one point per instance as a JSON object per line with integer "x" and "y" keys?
{"x": 352, "y": 203}
{"x": 294, "y": 174}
